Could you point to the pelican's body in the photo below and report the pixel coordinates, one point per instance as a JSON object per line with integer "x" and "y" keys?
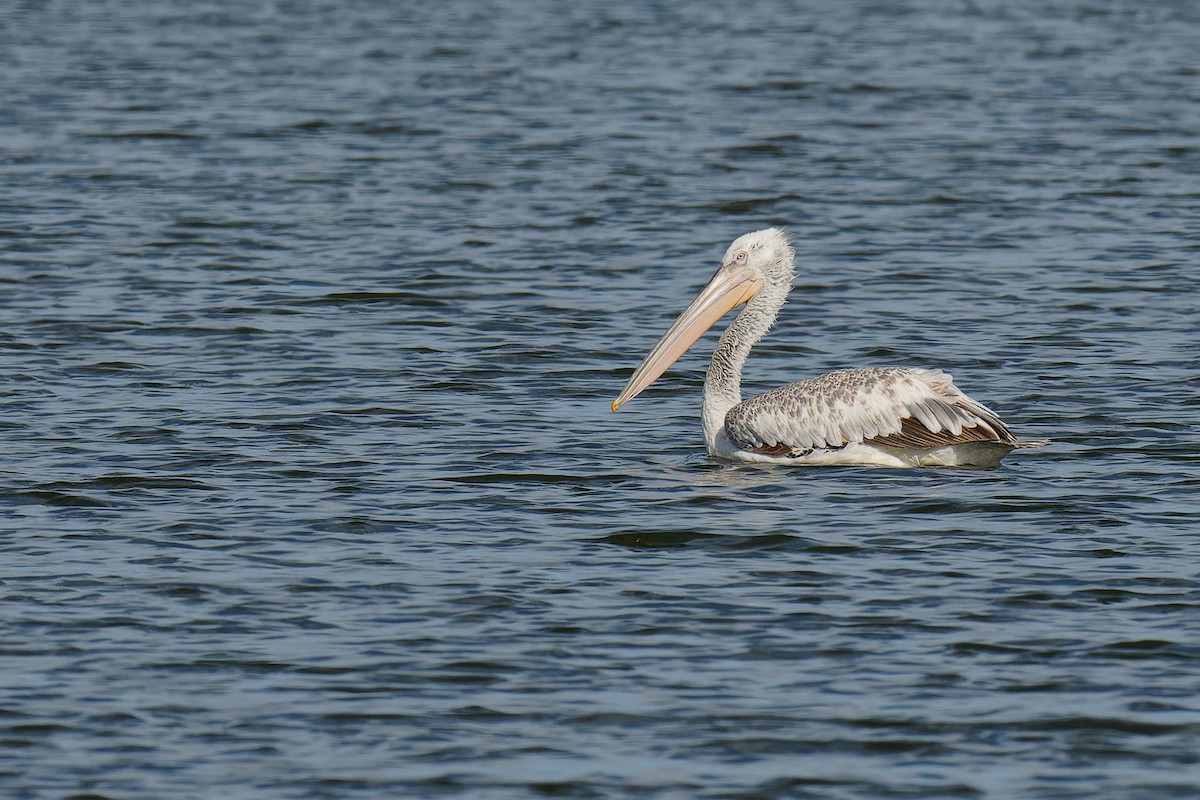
{"x": 899, "y": 417}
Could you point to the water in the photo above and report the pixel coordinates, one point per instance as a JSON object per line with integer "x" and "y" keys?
{"x": 311, "y": 314}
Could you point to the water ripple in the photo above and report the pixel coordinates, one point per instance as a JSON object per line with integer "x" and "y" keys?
{"x": 311, "y": 320}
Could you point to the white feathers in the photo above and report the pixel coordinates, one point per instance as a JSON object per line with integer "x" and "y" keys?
{"x": 893, "y": 416}
{"x": 864, "y": 405}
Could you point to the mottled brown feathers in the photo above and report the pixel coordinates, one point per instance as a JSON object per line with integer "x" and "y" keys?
{"x": 901, "y": 408}
{"x": 782, "y": 450}
{"x": 914, "y": 434}
{"x": 774, "y": 449}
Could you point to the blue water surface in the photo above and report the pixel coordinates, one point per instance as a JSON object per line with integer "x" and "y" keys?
{"x": 311, "y": 314}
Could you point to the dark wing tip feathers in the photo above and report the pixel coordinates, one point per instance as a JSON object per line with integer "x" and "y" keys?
{"x": 913, "y": 433}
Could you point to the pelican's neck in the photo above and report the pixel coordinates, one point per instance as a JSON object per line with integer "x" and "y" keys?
{"x": 723, "y": 383}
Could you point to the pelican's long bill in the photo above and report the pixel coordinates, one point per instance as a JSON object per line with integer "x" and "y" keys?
{"x": 730, "y": 287}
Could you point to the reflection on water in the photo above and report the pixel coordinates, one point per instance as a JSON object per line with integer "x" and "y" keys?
{"x": 311, "y": 319}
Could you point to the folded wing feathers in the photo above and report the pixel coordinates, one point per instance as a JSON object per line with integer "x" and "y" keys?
{"x": 947, "y": 419}
{"x": 924, "y": 414}
{"x": 900, "y": 407}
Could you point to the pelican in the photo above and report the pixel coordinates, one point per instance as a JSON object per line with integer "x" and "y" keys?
{"x": 890, "y": 416}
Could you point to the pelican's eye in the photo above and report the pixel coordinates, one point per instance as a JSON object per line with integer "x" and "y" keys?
{"x": 740, "y": 258}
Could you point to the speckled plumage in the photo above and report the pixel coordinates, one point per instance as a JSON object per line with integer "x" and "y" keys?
{"x": 863, "y": 406}
{"x": 895, "y": 416}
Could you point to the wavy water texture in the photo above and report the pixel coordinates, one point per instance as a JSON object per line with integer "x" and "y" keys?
{"x": 311, "y": 315}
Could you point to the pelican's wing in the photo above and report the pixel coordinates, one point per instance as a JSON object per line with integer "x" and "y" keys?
{"x": 918, "y": 408}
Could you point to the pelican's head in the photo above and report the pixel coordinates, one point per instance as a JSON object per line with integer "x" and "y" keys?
{"x": 757, "y": 264}
{"x": 767, "y": 254}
